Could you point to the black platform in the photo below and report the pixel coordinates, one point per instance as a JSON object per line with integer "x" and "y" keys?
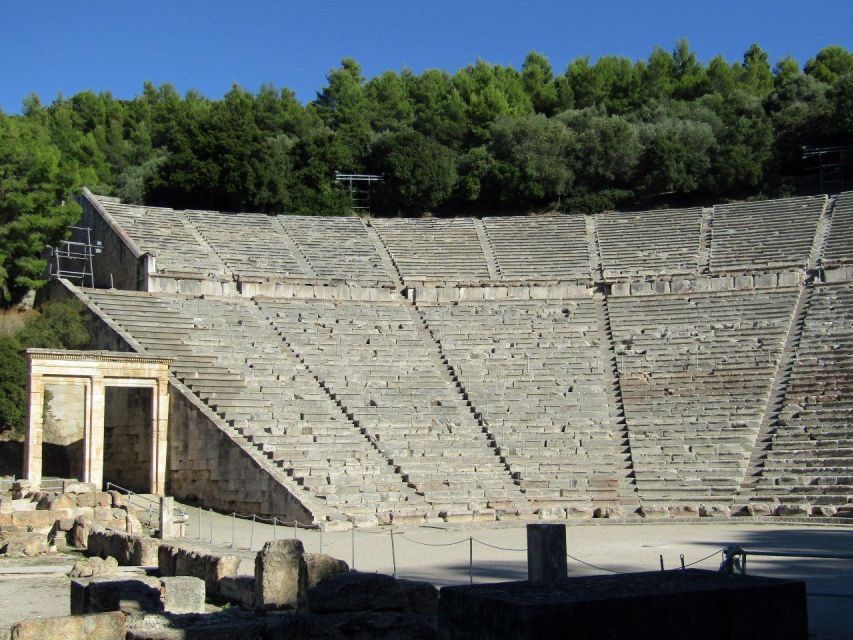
{"x": 687, "y": 605}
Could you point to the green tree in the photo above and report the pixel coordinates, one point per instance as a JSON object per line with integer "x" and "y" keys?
{"x": 830, "y": 64}
{"x": 388, "y": 102}
{"x": 533, "y": 159}
{"x": 539, "y": 83}
{"x": 755, "y": 74}
{"x": 343, "y": 106}
{"x": 439, "y": 110}
{"x": 675, "y": 157}
{"x": 36, "y": 203}
{"x": 418, "y": 173}
{"x": 607, "y": 148}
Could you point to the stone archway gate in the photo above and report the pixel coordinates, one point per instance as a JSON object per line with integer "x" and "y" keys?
{"x": 95, "y": 371}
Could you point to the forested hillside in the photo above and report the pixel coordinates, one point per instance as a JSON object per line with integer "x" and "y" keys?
{"x": 487, "y": 139}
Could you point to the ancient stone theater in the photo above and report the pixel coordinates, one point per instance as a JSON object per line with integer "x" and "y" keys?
{"x": 669, "y": 363}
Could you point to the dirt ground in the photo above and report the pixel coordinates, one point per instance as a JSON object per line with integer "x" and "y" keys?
{"x": 38, "y": 587}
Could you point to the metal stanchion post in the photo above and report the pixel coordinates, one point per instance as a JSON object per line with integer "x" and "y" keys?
{"x": 393, "y": 553}
{"x": 210, "y": 524}
{"x": 274, "y": 521}
{"x": 661, "y": 562}
{"x": 682, "y": 561}
{"x": 470, "y": 560}
{"x": 252, "y": 533}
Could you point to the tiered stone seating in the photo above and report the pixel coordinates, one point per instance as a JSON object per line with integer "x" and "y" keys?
{"x": 839, "y": 243}
{"x": 337, "y": 248}
{"x": 811, "y": 447}
{"x": 533, "y": 369}
{"x": 649, "y": 243}
{"x": 539, "y": 247}
{"x": 163, "y": 233}
{"x": 377, "y": 363}
{"x": 251, "y": 244}
{"x": 434, "y": 250}
{"x": 230, "y": 356}
{"x": 696, "y": 371}
{"x": 767, "y": 235}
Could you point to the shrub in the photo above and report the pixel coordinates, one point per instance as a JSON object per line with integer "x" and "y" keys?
{"x": 58, "y": 325}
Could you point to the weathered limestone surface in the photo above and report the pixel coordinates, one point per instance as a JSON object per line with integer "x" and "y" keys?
{"x": 100, "y": 626}
{"x": 187, "y": 561}
{"x": 322, "y": 567}
{"x": 132, "y": 597}
{"x": 239, "y": 590}
{"x": 25, "y": 544}
{"x": 281, "y": 575}
{"x": 357, "y": 592}
{"x": 128, "y": 549}
{"x": 94, "y": 567}
{"x": 182, "y": 594}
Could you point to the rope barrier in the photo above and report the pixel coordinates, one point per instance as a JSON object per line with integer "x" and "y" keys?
{"x": 436, "y": 544}
{"x": 703, "y": 559}
{"x": 493, "y": 546}
{"x": 274, "y": 521}
{"x": 589, "y": 564}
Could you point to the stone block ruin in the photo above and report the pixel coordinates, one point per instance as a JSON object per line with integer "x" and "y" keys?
{"x": 345, "y": 371}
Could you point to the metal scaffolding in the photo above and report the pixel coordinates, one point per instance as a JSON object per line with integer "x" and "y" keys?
{"x": 72, "y": 259}
{"x": 358, "y": 185}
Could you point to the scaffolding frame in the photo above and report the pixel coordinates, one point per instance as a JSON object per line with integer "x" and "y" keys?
{"x": 358, "y": 185}
{"x": 72, "y": 259}
{"x": 831, "y": 164}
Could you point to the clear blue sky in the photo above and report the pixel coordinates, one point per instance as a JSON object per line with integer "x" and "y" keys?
{"x": 51, "y": 47}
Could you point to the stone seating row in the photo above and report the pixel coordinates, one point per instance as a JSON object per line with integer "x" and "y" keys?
{"x": 811, "y": 442}
{"x": 164, "y": 234}
{"x": 539, "y": 247}
{"x": 772, "y": 233}
{"x": 694, "y": 419}
{"x": 434, "y": 250}
{"x": 649, "y": 243}
{"x": 249, "y": 243}
{"x": 748, "y": 237}
{"x": 344, "y": 394}
{"x": 337, "y": 248}
{"x": 262, "y": 391}
{"x": 839, "y": 242}
{"x": 412, "y": 411}
{"x": 552, "y": 422}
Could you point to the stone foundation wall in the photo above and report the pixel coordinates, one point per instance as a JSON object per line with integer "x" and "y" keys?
{"x": 206, "y": 465}
{"x": 62, "y": 447}
{"x": 127, "y": 438}
{"x": 117, "y": 264}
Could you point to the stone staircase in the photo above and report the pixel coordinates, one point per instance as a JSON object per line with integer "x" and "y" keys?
{"x": 775, "y": 401}
{"x": 628, "y": 495}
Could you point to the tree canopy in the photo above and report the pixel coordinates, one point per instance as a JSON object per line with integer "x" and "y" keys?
{"x": 486, "y": 139}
